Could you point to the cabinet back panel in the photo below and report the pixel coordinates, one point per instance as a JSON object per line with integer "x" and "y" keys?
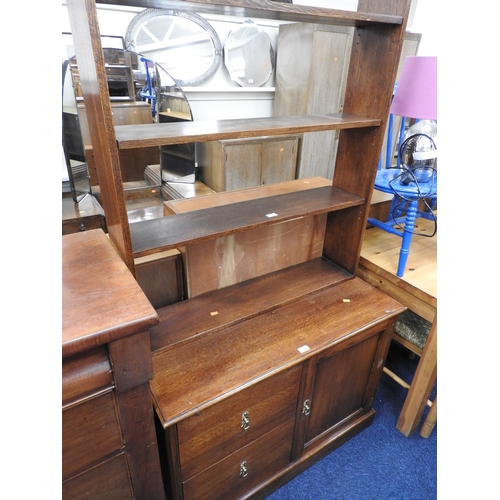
{"x": 219, "y": 263}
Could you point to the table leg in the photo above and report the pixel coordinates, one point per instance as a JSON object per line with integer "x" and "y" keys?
{"x": 430, "y": 420}
{"x": 421, "y": 386}
{"x": 407, "y": 236}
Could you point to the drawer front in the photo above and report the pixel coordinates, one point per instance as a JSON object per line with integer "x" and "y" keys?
{"x": 90, "y": 432}
{"x": 108, "y": 481}
{"x": 245, "y": 469}
{"x": 86, "y": 374}
{"x": 215, "y": 433}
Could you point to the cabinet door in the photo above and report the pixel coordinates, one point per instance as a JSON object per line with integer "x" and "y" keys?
{"x": 338, "y": 390}
{"x": 242, "y": 165}
{"x": 278, "y": 160}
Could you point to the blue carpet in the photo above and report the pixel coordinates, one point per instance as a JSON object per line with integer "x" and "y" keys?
{"x": 379, "y": 463}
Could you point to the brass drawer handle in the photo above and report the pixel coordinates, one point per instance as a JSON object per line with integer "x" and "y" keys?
{"x": 243, "y": 469}
{"x": 306, "y": 408}
{"x": 245, "y": 421}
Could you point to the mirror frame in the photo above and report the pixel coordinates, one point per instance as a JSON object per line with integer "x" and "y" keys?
{"x": 138, "y": 21}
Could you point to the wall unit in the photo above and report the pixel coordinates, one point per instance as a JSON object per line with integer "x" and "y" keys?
{"x": 242, "y": 163}
{"x": 275, "y": 350}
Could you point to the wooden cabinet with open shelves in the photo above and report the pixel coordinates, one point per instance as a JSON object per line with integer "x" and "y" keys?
{"x": 313, "y": 323}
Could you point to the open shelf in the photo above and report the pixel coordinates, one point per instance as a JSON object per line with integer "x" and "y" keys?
{"x": 191, "y": 319}
{"x": 157, "y": 235}
{"x": 162, "y": 134}
{"x": 269, "y": 10}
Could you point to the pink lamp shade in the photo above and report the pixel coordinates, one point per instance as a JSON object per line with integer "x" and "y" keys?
{"x": 416, "y": 92}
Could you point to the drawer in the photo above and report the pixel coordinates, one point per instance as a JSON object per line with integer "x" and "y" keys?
{"x": 90, "y": 433}
{"x": 108, "y": 481}
{"x": 220, "y": 430}
{"x": 245, "y": 469}
{"x": 86, "y": 374}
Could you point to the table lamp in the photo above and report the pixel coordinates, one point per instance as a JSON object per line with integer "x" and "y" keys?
{"x": 416, "y": 92}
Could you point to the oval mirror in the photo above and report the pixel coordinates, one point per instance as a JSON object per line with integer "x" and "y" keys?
{"x": 183, "y": 43}
{"x": 249, "y": 55}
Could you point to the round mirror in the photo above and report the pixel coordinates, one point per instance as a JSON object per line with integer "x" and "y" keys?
{"x": 183, "y": 43}
{"x": 249, "y": 55}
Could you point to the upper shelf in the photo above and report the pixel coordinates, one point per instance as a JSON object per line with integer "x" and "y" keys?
{"x": 265, "y": 9}
{"x": 162, "y": 134}
{"x": 156, "y": 235}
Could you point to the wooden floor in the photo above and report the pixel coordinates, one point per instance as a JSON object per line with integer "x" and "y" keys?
{"x": 381, "y": 249}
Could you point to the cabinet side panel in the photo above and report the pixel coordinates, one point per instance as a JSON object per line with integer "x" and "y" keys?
{"x": 375, "y": 56}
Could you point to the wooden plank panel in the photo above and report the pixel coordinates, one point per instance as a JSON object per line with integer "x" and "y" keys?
{"x": 184, "y": 321}
{"x": 219, "y": 263}
{"x": 161, "y": 134}
{"x": 218, "y": 199}
{"x": 155, "y": 235}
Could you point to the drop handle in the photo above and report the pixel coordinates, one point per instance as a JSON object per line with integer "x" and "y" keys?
{"x": 245, "y": 421}
{"x": 306, "y": 407}
{"x": 243, "y": 469}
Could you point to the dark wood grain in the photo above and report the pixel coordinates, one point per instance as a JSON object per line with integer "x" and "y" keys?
{"x": 86, "y": 374}
{"x": 241, "y": 355}
{"x": 136, "y": 418}
{"x": 107, "y": 481}
{"x": 90, "y": 433}
{"x": 101, "y": 301}
{"x": 264, "y": 457}
{"x": 263, "y": 9}
{"x": 160, "y": 134}
{"x": 213, "y": 434}
{"x": 208, "y": 313}
{"x": 155, "y": 235}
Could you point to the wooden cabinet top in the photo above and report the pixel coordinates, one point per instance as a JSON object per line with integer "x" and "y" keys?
{"x": 101, "y": 301}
